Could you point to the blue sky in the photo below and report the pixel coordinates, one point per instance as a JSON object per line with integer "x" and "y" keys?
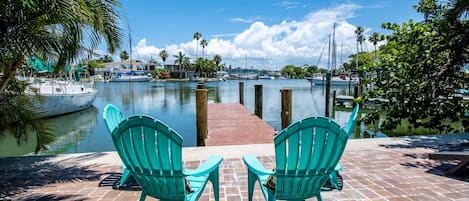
{"x": 266, "y": 34}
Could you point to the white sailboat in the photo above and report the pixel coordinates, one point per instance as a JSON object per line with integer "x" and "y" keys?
{"x": 336, "y": 80}
{"x": 130, "y": 76}
{"x": 61, "y": 97}
{"x": 55, "y": 97}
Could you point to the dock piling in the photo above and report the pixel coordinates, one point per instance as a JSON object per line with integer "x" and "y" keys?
{"x": 286, "y": 112}
{"x": 258, "y": 100}
{"x": 328, "y": 93}
{"x": 201, "y": 96}
{"x": 241, "y": 93}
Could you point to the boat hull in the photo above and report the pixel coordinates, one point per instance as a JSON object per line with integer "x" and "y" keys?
{"x": 57, "y": 104}
{"x": 131, "y": 79}
{"x": 335, "y": 82}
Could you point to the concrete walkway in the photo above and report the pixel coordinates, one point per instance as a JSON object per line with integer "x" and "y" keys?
{"x": 374, "y": 169}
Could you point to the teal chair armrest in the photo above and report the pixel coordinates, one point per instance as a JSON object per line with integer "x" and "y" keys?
{"x": 206, "y": 167}
{"x": 254, "y": 165}
{"x": 338, "y": 167}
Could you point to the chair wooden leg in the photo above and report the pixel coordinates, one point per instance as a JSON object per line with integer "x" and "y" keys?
{"x": 251, "y": 181}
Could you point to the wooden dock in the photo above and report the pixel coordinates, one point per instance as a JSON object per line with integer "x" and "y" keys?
{"x": 233, "y": 124}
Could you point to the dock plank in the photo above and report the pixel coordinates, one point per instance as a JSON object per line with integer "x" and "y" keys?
{"x": 233, "y": 124}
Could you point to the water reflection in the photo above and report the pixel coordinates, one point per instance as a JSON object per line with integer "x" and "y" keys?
{"x": 70, "y": 130}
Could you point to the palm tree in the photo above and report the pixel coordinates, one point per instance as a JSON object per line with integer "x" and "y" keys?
{"x": 217, "y": 60}
{"x": 360, "y": 38}
{"x": 124, "y": 55}
{"x": 60, "y": 31}
{"x": 204, "y": 44}
{"x": 163, "y": 55}
{"x": 181, "y": 60}
{"x": 197, "y": 36}
{"x": 106, "y": 59}
{"x": 374, "y": 38}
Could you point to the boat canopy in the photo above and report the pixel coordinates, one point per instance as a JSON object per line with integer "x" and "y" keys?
{"x": 46, "y": 67}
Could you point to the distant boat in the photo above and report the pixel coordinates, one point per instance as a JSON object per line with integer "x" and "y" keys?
{"x": 130, "y": 77}
{"x": 59, "y": 97}
{"x": 342, "y": 80}
{"x": 266, "y": 77}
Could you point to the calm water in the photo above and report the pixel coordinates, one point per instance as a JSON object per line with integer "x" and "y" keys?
{"x": 174, "y": 104}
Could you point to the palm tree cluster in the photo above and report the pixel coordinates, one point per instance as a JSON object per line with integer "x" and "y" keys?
{"x": 200, "y": 65}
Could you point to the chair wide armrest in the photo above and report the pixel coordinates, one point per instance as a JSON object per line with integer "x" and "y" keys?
{"x": 206, "y": 167}
{"x": 254, "y": 165}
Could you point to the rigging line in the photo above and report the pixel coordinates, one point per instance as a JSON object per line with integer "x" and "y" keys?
{"x": 322, "y": 52}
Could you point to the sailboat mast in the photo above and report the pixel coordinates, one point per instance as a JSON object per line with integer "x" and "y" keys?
{"x": 329, "y": 54}
{"x": 333, "y": 60}
{"x": 130, "y": 51}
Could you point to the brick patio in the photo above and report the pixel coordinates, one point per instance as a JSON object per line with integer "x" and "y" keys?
{"x": 376, "y": 169}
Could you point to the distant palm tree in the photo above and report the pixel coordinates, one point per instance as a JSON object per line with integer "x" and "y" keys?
{"x": 204, "y": 44}
{"x": 217, "y": 60}
{"x": 107, "y": 58}
{"x": 360, "y": 38}
{"x": 197, "y": 36}
{"x": 163, "y": 55}
{"x": 124, "y": 55}
{"x": 374, "y": 39}
{"x": 181, "y": 60}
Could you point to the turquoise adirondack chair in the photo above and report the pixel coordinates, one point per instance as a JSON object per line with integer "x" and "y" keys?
{"x": 152, "y": 152}
{"x": 112, "y": 117}
{"x": 306, "y": 154}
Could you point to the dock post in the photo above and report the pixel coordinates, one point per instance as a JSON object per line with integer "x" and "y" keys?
{"x": 328, "y": 93}
{"x": 355, "y": 94}
{"x": 201, "y": 115}
{"x": 333, "y": 98}
{"x": 200, "y": 85}
{"x": 258, "y": 100}
{"x": 241, "y": 93}
{"x": 286, "y": 107}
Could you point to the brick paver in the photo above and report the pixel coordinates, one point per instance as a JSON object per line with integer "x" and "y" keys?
{"x": 385, "y": 173}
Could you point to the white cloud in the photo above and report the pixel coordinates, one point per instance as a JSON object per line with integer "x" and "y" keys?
{"x": 288, "y": 4}
{"x": 239, "y": 19}
{"x": 144, "y": 52}
{"x": 295, "y": 42}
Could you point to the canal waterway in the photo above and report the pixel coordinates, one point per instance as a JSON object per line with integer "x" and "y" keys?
{"x": 174, "y": 104}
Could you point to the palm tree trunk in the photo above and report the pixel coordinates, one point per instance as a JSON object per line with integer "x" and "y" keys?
{"x": 9, "y": 73}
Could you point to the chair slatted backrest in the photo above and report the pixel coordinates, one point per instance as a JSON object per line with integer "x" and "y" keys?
{"x": 153, "y": 153}
{"x": 306, "y": 153}
{"x": 112, "y": 117}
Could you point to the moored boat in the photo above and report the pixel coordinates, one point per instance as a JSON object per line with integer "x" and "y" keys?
{"x": 61, "y": 97}
{"x": 130, "y": 77}
{"x": 341, "y": 80}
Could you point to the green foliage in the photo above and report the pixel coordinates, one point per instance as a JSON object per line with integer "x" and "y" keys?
{"x": 124, "y": 55}
{"x": 205, "y": 66}
{"x": 54, "y": 30}
{"x": 19, "y": 116}
{"x": 365, "y": 59}
{"x": 420, "y": 70}
{"x": 298, "y": 72}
